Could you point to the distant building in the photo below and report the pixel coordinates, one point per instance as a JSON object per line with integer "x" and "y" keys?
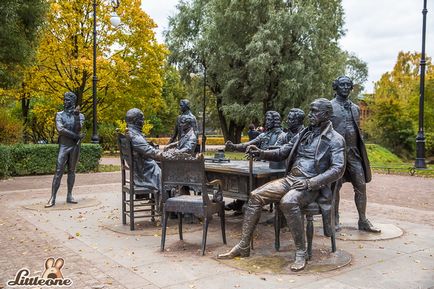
{"x": 364, "y": 109}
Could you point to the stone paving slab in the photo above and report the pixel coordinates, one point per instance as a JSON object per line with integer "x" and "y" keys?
{"x": 99, "y": 258}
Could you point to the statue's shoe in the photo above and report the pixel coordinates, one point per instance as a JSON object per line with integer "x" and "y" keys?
{"x": 50, "y": 204}
{"x": 299, "y": 263}
{"x": 71, "y": 201}
{"x": 367, "y": 226}
{"x": 236, "y": 251}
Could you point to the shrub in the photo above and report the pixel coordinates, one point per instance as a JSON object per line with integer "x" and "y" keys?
{"x": 429, "y": 144}
{"x": 158, "y": 140}
{"x": 209, "y": 140}
{"x": 11, "y": 128}
{"x": 108, "y": 136}
{"x": 31, "y": 159}
{"x": 5, "y": 163}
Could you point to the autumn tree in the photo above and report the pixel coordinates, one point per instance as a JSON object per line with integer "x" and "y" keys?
{"x": 129, "y": 61}
{"x": 260, "y": 55}
{"x": 394, "y": 105}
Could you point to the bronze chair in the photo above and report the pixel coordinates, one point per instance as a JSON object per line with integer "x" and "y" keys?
{"x": 141, "y": 202}
{"x": 310, "y": 210}
{"x": 191, "y": 173}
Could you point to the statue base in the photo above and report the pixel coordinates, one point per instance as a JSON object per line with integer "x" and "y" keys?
{"x": 323, "y": 260}
{"x": 63, "y": 205}
{"x": 351, "y": 233}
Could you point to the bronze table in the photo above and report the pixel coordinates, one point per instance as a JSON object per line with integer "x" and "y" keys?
{"x": 235, "y": 176}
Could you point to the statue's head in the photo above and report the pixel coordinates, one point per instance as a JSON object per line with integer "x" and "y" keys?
{"x": 184, "y": 104}
{"x": 69, "y": 100}
{"x": 343, "y": 86}
{"x": 321, "y": 110}
{"x": 295, "y": 118}
{"x": 272, "y": 119}
{"x": 186, "y": 123}
{"x": 135, "y": 118}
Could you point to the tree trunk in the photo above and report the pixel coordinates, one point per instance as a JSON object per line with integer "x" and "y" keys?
{"x": 25, "y": 108}
{"x": 222, "y": 118}
{"x": 238, "y": 132}
{"x": 231, "y": 132}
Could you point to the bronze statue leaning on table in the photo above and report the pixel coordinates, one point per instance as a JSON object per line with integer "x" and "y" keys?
{"x": 316, "y": 158}
{"x": 188, "y": 142}
{"x": 264, "y": 141}
{"x": 184, "y": 106}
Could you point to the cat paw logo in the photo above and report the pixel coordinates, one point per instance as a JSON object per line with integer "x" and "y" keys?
{"x": 52, "y": 276}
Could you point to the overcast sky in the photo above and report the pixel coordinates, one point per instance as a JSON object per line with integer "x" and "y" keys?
{"x": 376, "y": 30}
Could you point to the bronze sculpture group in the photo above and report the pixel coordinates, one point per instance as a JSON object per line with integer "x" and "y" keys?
{"x": 330, "y": 150}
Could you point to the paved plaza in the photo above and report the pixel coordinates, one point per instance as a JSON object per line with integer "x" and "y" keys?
{"x": 100, "y": 253}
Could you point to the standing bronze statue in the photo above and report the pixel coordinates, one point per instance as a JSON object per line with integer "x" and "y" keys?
{"x": 295, "y": 121}
{"x": 68, "y": 124}
{"x": 184, "y": 106}
{"x": 315, "y": 158}
{"x": 346, "y": 121}
{"x": 147, "y": 173}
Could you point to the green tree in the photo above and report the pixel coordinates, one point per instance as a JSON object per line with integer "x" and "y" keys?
{"x": 260, "y": 55}
{"x": 163, "y": 121}
{"x": 20, "y": 22}
{"x": 394, "y": 105}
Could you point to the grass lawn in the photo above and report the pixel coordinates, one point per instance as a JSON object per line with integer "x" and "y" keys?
{"x": 108, "y": 168}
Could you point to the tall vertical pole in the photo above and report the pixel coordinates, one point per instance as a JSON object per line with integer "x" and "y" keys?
{"x": 94, "y": 138}
{"x": 204, "y": 109}
{"x": 420, "y": 138}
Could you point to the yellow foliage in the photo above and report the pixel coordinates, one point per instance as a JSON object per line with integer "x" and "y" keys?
{"x": 129, "y": 61}
{"x": 122, "y": 126}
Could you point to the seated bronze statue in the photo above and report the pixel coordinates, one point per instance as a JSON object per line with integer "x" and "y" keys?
{"x": 147, "y": 173}
{"x": 315, "y": 158}
{"x": 295, "y": 121}
{"x": 264, "y": 140}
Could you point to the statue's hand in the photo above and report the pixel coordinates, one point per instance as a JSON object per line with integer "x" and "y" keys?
{"x": 300, "y": 185}
{"x": 253, "y": 151}
{"x": 229, "y": 146}
{"x": 77, "y": 110}
{"x": 169, "y": 146}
